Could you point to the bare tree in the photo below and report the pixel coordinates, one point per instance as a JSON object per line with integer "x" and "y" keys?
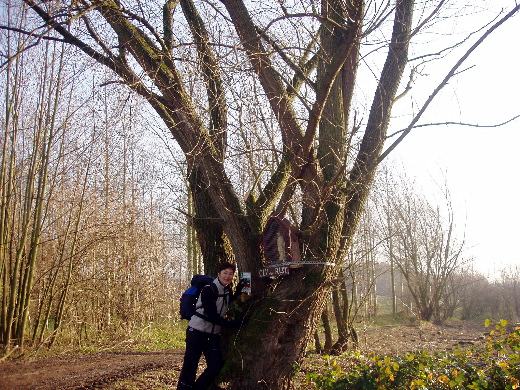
{"x": 510, "y": 291}
{"x": 31, "y": 130}
{"x": 56, "y": 228}
{"x": 303, "y": 60}
{"x": 475, "y": 295}
{"x": 426, "y": 250}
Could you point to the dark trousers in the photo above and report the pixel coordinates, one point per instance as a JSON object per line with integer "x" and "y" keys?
{"x": 198, "y": 343}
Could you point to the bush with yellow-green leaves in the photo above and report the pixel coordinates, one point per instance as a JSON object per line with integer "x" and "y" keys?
{"x": 496, "y": 367}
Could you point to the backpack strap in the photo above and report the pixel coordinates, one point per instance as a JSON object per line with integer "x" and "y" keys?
{"x": 214, "y": 288}
{"x": 215, "y": 291}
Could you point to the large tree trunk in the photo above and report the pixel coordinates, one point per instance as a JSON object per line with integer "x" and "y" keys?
{"x": 327, "y": 329}
{"x": 341, "y": 310}
{"x": 288, "y": 316}
{"x": 214, "y": 245}
{"x": 263, "y": 354}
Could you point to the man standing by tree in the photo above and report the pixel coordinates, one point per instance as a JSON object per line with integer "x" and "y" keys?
{"x": 202, "y": 335}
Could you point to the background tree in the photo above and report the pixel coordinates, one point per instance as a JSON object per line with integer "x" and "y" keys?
{"x": 355, "y": 296}
{"x": 474, "y": 304}
{"x": 80, "y": 195}
{"x": 299, "y": 60}
{"x": 29, "y": 147}
{"x": 510, "y": 298}
{"x": 426, "y": 251}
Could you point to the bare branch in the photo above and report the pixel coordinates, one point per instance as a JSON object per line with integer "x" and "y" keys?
{"x": 299, "y": 73}
{"x": 427, "y": 19}
{"x": 211, "y": 73}
{"x": 168, "y": 8}
{"x": 443, "y": 83}
{"x": 378, "y": 121}
{"x": 458, "y": 124}
{"x": 43, "y": 35}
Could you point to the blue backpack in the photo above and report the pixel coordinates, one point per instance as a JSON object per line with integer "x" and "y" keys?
{"x": 191, "y": 295}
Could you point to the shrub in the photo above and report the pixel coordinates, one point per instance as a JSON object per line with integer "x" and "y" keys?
{"x": 495, "y": 367}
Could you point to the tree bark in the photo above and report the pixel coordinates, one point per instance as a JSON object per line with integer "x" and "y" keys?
{"x": 327, "y": 330}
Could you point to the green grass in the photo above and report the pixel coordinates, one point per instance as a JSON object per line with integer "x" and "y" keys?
{"x": 393, "y": 319}
{"x": 155, "y": 336}
{"x": 163, "y": 336}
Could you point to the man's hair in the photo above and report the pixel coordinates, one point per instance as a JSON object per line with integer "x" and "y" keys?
{"x": 226, "y": 265}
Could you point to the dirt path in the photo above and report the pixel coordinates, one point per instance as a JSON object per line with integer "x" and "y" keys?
{"x": 400, "y": 339}
{"x": 83, "y": 371}
{"x": 98, "y": 371}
